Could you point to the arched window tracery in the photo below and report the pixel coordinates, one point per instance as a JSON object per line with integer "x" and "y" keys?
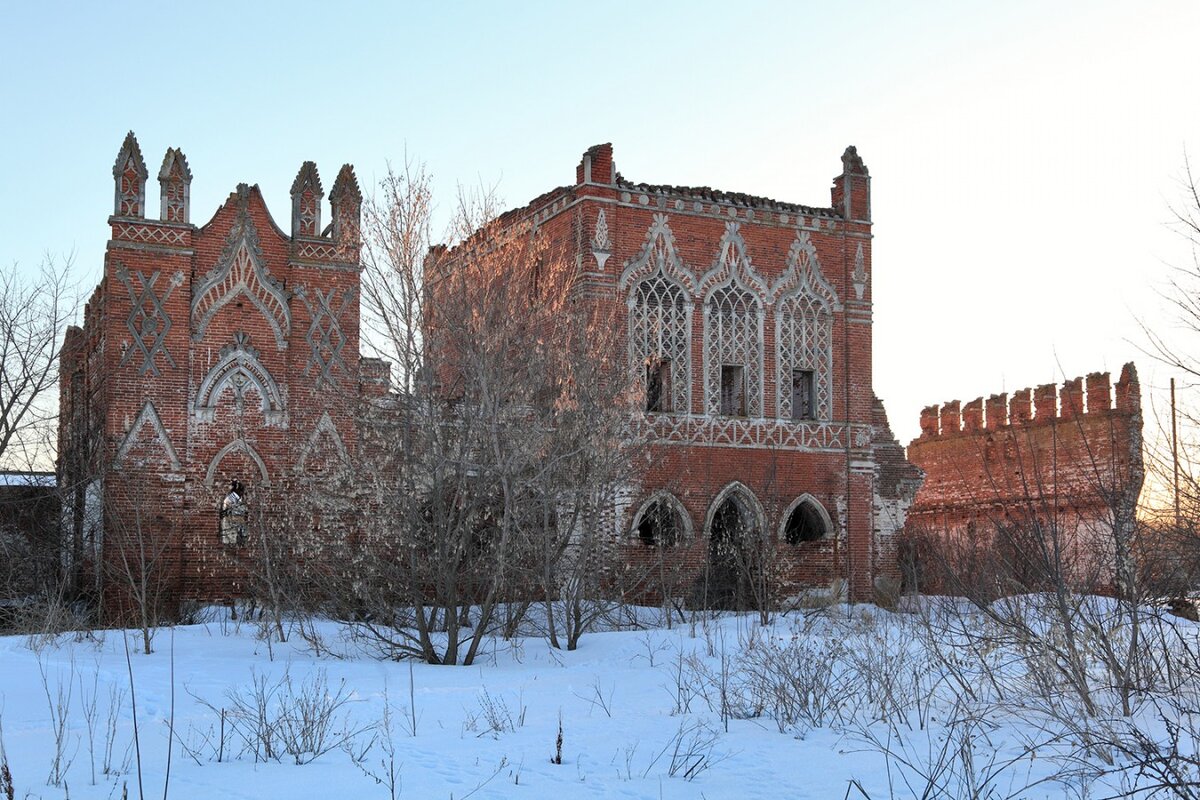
{"x": 733, "y": 351}
{"x": 660, "y": 337}
{"x": 804, "y": 306}
{"x": 804, "y": 344}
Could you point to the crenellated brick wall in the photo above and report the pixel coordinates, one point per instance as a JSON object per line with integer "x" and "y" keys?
{"x": 1067, "y": 459}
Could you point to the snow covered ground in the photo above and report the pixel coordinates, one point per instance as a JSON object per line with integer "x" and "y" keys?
{"x": 641, "y": 714}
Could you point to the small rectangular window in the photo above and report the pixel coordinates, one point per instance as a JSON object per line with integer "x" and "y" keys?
{"x": 802, "y": 394}
{"x": 733, "y": 390}
{"x": 658, "y": 385}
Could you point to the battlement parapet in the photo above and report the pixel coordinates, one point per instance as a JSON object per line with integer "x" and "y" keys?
{"x": 1043, "y": 405}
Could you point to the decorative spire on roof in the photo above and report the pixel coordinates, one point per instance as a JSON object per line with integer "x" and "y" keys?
{"x": 129, "y": 176}
{"x": 306, "y": 201}
{"x": 346, "y": 204}
{"x": 175, "y": 186}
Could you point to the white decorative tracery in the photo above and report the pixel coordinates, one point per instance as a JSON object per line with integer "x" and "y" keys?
{"x": 733, "y": 323}
{"x": 241, "y": 271}
{"x": 660, "y": 330}
{"x": 148, "y": 321}
{"x": 325, "y": 428}
{"x": 325, "y": 336}
{"x": 658, "y": 254}
{"x": 660, "y": 313}
{"x": 859, "y": 276}
{"x": 601, "y": 242}
{"x": 238, "y": 367}
{"x": 770, "y": 434}
{"x": 804, "y": 306}
{"x": 733, "y": 264}
{"x": 148, "y": 416}
{"x": 236, "y": 446}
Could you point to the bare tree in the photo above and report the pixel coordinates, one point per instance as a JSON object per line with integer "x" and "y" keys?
{"x": 136, "y": 554}
{"x": 35, "y": 308}
{"x": 1173, "y": 454}
{"x": 487, "y": 474}
{"x": 34, "y": 313}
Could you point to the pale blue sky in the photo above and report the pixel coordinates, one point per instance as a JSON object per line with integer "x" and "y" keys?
{"x": 1023, "y": 153}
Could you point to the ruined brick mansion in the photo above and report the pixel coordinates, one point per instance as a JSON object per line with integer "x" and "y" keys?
{"x": 221, "y": 359}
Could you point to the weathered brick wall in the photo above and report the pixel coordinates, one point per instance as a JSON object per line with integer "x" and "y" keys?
{"x": 1066, "y": 459}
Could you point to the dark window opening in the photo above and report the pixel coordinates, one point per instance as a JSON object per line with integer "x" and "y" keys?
{"x": 233, "y": 515}
{"x": 804, "y": 524}
{"x": 802, "y": 394}
{"x": 733, "y": 391}
{"x": 660, "y": 525}
{"x": 658, "y": 385}
{"x": 536, "y": 282}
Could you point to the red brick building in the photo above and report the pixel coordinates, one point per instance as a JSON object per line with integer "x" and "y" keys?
{"x": 212, "y": 358}
{"x": 218, "y": 369}
{"x": 746, "y": 326}
{"x": 1065, "y": 462}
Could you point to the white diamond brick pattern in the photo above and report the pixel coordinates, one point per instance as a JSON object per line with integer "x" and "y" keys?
{"x": 735, "y": 309}
{"x": 733, "y": 335}
{"x": 660, "y": 327}
{"x": 804, "y": 340}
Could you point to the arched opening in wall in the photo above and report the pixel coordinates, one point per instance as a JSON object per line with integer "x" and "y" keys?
{"x": 233, "y": 473}
{"x": 660, "y": 524}
{"x": 232, "y": 513}
{"x": 805, "y": 523}
{"x": 733, "y": 554}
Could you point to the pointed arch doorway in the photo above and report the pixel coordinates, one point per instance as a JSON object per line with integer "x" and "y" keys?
{"x": 734, "y": 550}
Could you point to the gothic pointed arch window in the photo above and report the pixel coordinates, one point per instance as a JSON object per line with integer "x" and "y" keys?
{"x": 806, "y": 520}
{"x": 660, "y": 335}
{"x": 733, "y": 351}
{"x": 805, "y": 342}
{"x": 660, "y": 289}
{"x": 733, "y": 330}
{"x": 662, "y": 521}
{"x": 804, "y": 336}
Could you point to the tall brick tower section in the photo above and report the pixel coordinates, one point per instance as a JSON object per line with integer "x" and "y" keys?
{"x": 746, "y": 325}
{"x": 212, "y": 359}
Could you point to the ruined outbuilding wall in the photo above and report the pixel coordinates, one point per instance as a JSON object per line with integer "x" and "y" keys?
{"x": 1062, "y": 459}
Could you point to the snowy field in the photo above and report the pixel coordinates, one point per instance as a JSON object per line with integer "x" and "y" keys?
{"x": 715, "y": 708}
